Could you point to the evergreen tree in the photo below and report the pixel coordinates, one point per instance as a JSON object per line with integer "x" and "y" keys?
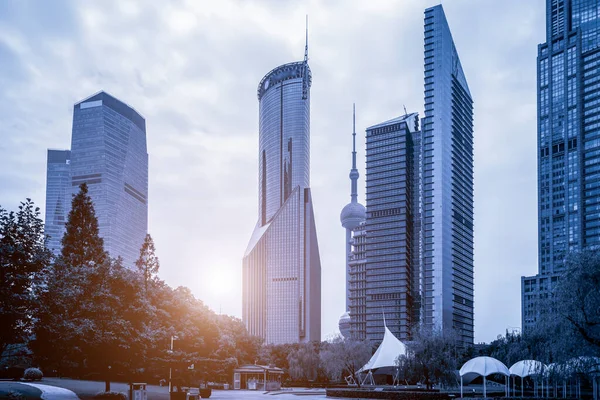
{"x": 72, "y": 303}
{"x": 147, "y": 264}
{"x": 23, "y": 260}
{"x": 81, "y": 244}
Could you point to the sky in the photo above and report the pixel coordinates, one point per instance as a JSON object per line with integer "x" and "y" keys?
{"x": 191, "y": 68}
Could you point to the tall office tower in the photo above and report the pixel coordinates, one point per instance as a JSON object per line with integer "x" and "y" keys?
{"x": 568, "y": 90}
{"x": 389, "y": 227}
{"x": 58, "y": 197}
{"x": 108, "y": 152}
{"x": 417, "y": 234}
{"x": 281, "y": 273}
{"x": 358, "y": 283}
{"x": 447, "y": 193}
{"x": 354, "y": 213}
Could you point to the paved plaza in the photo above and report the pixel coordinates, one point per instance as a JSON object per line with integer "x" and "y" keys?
{"x": 87, "y": 389}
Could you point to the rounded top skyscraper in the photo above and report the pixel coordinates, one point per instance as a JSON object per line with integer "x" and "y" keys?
{"x": 284, "y": 135}
{"x": 281, "y": 274}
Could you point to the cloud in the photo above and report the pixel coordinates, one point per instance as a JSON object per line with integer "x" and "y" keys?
{"x": 192, "y": 71}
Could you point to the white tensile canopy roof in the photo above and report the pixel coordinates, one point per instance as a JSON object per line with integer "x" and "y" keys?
{"x": 527, "y": 368}
{"x": 483, "y": 366}
{"x": 386, "y": 354}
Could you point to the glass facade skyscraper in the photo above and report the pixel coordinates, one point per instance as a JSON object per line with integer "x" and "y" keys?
{"x": 281, "y": 272}
{"x": 58, "y": 197}
{"x": 108, "y": 153}
{"x": 412, "y": 260}
{"x": 568, "y": 94}
{"x": 357, "y": 284}
{"x": 447, "y": 185}
{"x": 389, "y": 272}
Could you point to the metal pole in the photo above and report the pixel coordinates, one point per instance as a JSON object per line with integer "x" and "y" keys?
{"x": 170, "y": 373}
{"x": 461, "y": 387}
{"x": 484, "y": 388}
{"x": 514, "y": 387}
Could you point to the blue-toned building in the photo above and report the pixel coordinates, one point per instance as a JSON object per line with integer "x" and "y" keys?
{"x": 108, "y": 153}
{"x": 281, "y": 272}
{"x": 389, "y": 272}
{"x": 412, "y": 260}
{"x": 58, "y": 197}
{"x": 446, "y": 209}
{"x": 568, "y": 94}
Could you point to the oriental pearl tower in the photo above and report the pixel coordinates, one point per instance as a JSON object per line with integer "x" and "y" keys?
{"x": 352, "y": 215}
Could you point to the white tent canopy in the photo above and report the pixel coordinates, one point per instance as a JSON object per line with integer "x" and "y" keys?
{"x": 525, "y": 368}
{"x": 386, "y": 354}
{"x": 481, "y": 366}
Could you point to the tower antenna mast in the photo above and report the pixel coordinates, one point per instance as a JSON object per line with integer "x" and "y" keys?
{"x": 306, "y": 45}
{"x": 305, "y": 75}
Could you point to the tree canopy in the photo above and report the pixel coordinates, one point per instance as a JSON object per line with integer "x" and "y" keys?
{"x": 23, "y": 261}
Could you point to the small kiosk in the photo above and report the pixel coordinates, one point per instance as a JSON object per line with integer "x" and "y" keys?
{"x": 257, "y": 377}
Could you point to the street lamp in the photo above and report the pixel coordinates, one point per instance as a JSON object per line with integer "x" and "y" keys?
{"x": 170, "y": 370}
{"x": 107, "y": 381}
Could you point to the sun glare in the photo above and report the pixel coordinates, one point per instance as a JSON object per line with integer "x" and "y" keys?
{"x": 220, "y": 281}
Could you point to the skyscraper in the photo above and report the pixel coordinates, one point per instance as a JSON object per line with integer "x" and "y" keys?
{"x": 412, "y": 260}
{"x": 58, "y": 196}
{"x": 447, "y": 185}
{"x": 358, "y": 283}
{"x": 389, "y": 227}
{"x": 281, "y": 272}
{"x": 568, "y": 91}
{"x": 108, "y": 153}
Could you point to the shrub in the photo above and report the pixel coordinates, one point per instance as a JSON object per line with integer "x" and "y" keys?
{"x": 33, "y": 374}
{"x": 110, "y": 396}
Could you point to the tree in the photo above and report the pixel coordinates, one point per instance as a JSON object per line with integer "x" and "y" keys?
{"x": 235, "y": 341}
{"x": 344, "y": 355}
{"x": 511, "y": 348}
{"x": 147, "y": 263}
{"x": 432, "y": 357}
{"x": 82, "y": 245}
{"x": 91, "y": 312}
{"x": 303, "y": 361}
{"x": 23, "y": 261}
{"x": 577, "y": 297}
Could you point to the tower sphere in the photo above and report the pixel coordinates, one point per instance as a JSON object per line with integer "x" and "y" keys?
{"x": 352, "y": 215}
{"x": 344, "y": 324}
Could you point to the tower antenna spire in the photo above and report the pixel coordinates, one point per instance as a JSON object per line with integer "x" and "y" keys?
{"x": 353, "y": 171}
{"x": 306, "y": 45}
{"x": 305, "y": 77}
{"x": 353, "y": 135}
